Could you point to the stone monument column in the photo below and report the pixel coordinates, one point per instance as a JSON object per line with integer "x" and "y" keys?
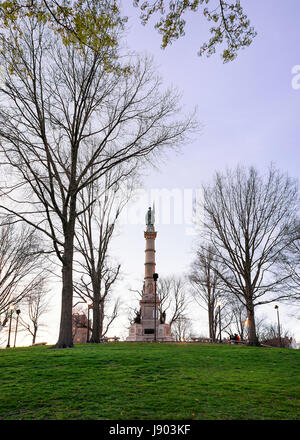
{"x": 148, "y": 299}
{"x": 143, "y": 328}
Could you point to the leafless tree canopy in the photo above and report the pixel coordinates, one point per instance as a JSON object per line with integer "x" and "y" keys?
{"x": 172, "y": 292}
{"x": 21, "y": 265}
{"x": 248, "y": 219}
{"x": 182, "y": 329}
{"x": 97, "y": 271}
{"x": 269, "y": 335}
{"x": 237, "y": 318}
{"x": 110, "y": 313}
{"x": 63, "y": 114}
{"x": 207, "y": 285}
{"x": 37, "y": 304}
{"x": 291, "y": 263}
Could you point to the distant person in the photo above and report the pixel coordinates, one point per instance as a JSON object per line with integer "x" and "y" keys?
{"x": 234, "y": 338}
{"x": 292, "y": 343}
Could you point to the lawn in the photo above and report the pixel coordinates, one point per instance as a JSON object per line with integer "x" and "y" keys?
{"x": 150, "y": 381}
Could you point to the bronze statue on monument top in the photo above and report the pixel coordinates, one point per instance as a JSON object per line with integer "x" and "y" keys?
{"x": 150, "y": 219}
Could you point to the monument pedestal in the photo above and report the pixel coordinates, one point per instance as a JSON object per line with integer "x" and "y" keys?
{"x": 139, "y": 334}
{"x": 164, "y": 333}
{"x": 135, "y": 333}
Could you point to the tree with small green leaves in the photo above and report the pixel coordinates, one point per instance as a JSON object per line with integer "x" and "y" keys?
{"x": 83, "y": 23}
{"x": 93, "y": 22}
{"x": 229, "y": 25}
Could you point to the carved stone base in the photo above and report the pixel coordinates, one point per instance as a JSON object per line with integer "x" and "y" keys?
{"x": 139, "y": 333}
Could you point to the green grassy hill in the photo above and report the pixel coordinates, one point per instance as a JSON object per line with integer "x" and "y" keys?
{"x": 150, "y": 381}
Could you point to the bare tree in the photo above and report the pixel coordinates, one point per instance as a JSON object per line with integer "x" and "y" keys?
{"x": 21, "y": 266}
{"x": 173, "y": 296}
{"x": 247, "y": 219}
{"x": 110, "y": 312}
{"x": 207, "y": 285}
{"x": 64, "y": 113}
{"x": 80, "y": 317}
{"x": 182, "y": 329}
{"x": 239, "y": 321}
{"x": 268, "y": 335}
{"x": 95, "y": 231}
{"x": 37, "y": 304}
{"x": 291, "y": 261}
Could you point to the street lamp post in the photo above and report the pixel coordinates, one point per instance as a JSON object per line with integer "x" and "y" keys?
{"x": 219, "y": 310}
{"x": 155, "y": 277}
{"x": 18, "y": 313}
{"x": 88, "y": 324}
{"x": 279, "y": 333}
{"x": 11, "y": 308}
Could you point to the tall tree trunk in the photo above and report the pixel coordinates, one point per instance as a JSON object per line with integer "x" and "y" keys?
{"x": 65, "y": 339}
{"x": 101, "y": 317}
{"x": 242, "y": 331}
{"x": 96, "y": 307}
{"x": 34, "y": 335}
{"x": 253, "y": 340}
{"x": 211, "y": 323}
{"x": 96, "y": 321}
